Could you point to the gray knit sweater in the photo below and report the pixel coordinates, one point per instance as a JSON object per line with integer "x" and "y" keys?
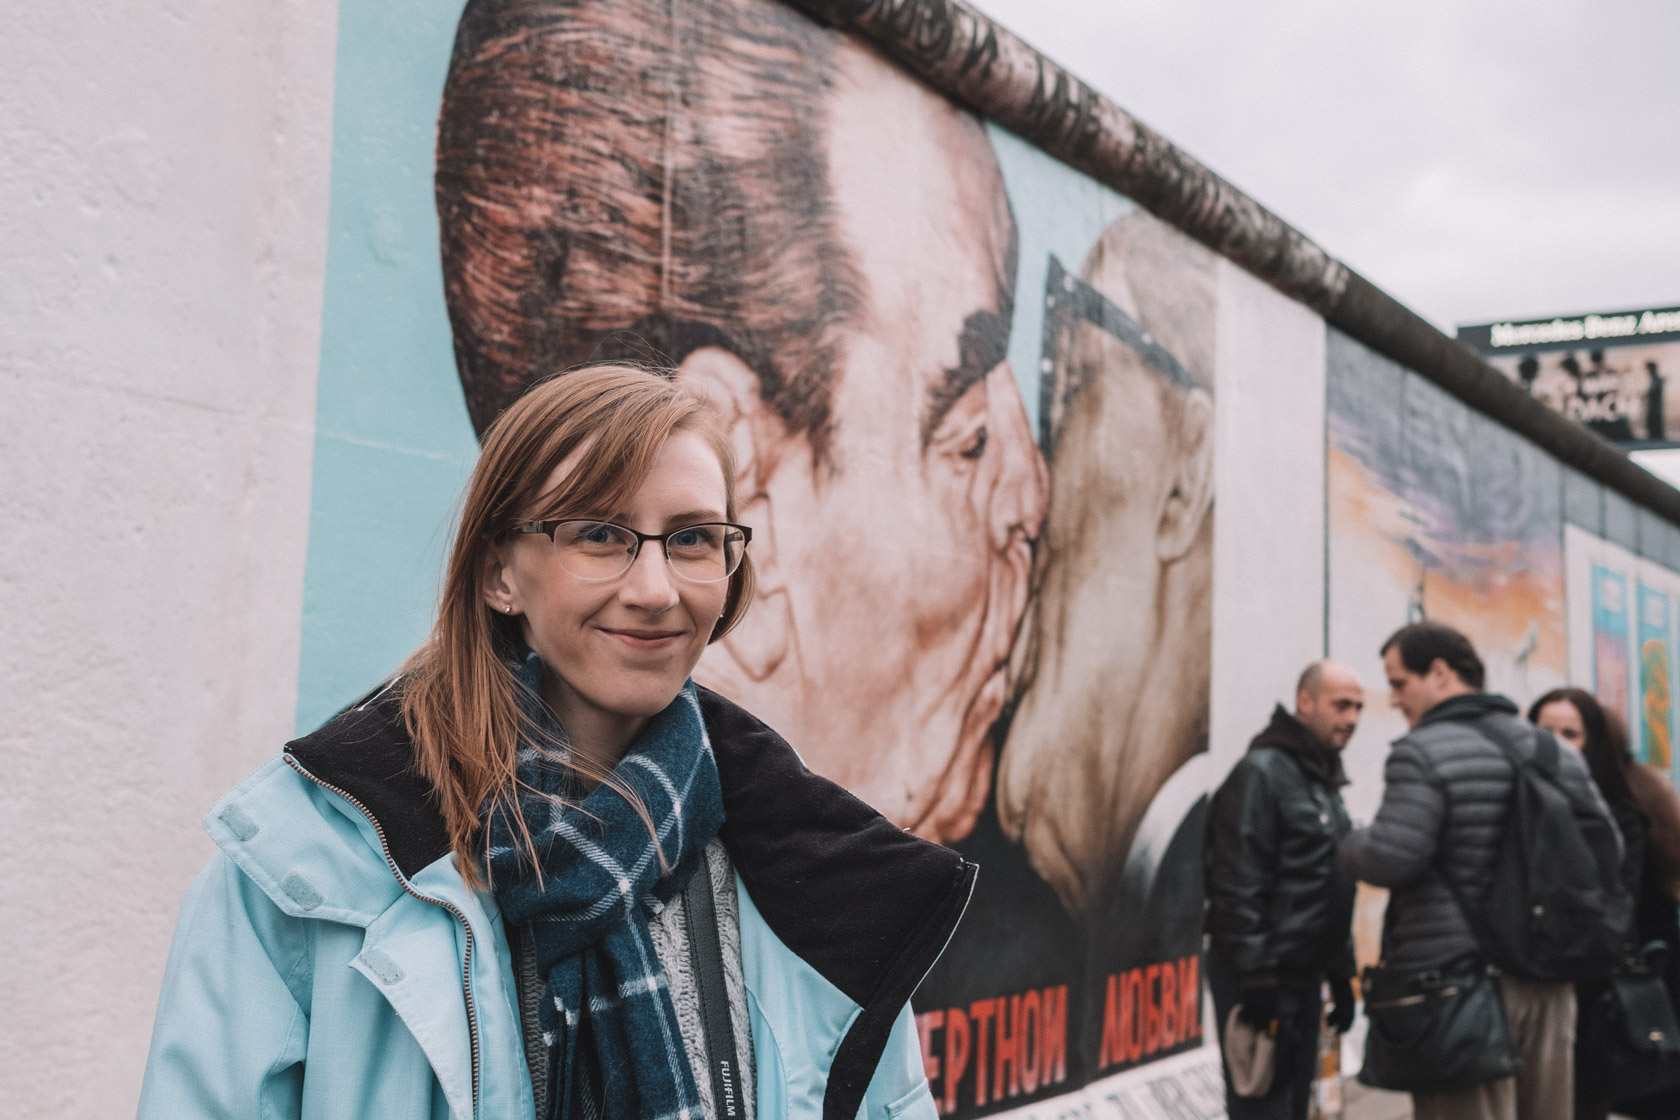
{"x": 670, "y": 941}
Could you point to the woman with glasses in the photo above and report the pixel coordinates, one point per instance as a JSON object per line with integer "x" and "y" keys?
{"x": 542, "y": 873}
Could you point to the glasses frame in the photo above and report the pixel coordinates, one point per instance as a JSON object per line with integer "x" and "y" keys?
{"x": 547, "y": 528}
{"x": 1069, "y": 299}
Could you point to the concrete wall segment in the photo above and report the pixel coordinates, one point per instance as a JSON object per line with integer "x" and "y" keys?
{"x": 1653, "y": 536}
{"x": 165, "y": 170}
{"x": 966, "y": 55}
{"x": 1621, "y": 521}
{"x": 1583, "y": 501}
{"x": 393, "y": 443}
{"x": 1271, "y": 380}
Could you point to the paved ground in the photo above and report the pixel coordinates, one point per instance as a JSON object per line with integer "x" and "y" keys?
{"x": 1361, "y": 1103}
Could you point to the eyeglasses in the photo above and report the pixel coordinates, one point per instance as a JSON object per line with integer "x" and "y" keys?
{"x": 1068, "y": 299}
{"x": 600, "y": 550}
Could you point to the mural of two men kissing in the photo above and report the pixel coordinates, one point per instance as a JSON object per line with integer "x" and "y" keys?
{"x": 995, "y": 631}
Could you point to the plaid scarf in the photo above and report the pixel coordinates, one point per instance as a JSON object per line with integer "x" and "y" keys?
{"x": 614, "y": 1046}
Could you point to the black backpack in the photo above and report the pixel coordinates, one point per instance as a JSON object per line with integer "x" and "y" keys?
{"x": 1557, "y": 907}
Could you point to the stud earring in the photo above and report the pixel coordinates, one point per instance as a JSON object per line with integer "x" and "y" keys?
{"x": 508, "y": 607}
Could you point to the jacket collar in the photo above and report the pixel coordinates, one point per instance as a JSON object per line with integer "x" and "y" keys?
{"x": 1295, "y": 739}
{"x": 865, "y": 903}
{"x": 366, "y": 754}
{"x": 1468, "y": 707}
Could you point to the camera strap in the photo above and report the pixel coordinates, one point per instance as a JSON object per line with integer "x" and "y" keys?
{"x": 707, "y": 954}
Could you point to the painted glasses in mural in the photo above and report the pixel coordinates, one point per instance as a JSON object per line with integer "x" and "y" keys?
{"x": 1000, "y": 656}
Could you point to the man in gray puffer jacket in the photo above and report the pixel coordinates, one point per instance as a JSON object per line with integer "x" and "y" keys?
{"x": 1447, "y": 791}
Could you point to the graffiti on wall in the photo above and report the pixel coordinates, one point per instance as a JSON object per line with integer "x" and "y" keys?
{"x": 984, "y": 592}
{"x": 1434, "y": 512}
{"x": 1656, "y": 637}
{"x": 1437, "y": 512}
{"x": 1610, "y": 668}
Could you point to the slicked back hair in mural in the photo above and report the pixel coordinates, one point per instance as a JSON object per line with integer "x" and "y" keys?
{"x": 619, "y": 181}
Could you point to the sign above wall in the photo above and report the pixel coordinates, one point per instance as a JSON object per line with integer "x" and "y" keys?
{"x": 1608, "y": 370}
{"x": 1609, "y": 328}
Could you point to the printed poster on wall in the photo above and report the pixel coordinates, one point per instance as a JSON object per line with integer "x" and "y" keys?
{"x": 1622, "y": 619}
{"x": 1656, "y": 669}
{"x": 1611, "y": 668}
{"x": 1612, "y": 371}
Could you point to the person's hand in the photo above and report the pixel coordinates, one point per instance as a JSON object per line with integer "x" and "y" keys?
{"x": 1341, "y": 1009}
{"x": 1259, "y": 1007}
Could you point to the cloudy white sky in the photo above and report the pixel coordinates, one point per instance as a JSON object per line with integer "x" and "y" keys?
{"x": 1478, "y": 160}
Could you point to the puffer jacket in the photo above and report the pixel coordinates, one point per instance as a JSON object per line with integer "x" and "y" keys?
{"x": 330, "y": 963}
{"x": 1280, "y": 907}
{"x": 1447, "y": 790}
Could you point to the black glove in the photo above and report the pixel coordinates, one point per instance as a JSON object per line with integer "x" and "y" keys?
{"x": 1341, "y": 1009}
{"x": 1259, "y": 1007}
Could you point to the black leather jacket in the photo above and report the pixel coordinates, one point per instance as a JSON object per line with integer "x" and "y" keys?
{"x": 1279, "y": 905}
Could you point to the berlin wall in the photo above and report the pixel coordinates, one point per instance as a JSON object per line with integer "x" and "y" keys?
{"x": 1062, "y": 457}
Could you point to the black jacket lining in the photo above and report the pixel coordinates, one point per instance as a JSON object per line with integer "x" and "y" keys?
{"x": 365, "y": 751}
{"x": 862, "y": 901}
{"x": 866, "y": 904}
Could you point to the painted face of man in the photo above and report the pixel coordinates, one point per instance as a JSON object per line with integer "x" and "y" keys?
{"x": 1116, "y": 661}
{"x": 896, "y": 569}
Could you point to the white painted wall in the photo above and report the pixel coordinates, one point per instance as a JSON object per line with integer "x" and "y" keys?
{"x": 1268, "y": 523}
{"x": 162, "y": 240}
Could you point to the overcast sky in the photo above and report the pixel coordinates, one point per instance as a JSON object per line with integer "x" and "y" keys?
{"x": 1478, "y": 159}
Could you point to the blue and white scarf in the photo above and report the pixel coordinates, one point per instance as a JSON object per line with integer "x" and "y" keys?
{"x": 614, "y": 1046}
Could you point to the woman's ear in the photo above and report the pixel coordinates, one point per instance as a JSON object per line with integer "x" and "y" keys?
{"x": 757, "y": 439}
{"x": 1192, "y": 479}
{"x": 497, "y": 581}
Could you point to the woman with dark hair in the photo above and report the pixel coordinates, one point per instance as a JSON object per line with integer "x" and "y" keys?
{"x": 542, "y": 874}
{"x": 1647, "y": 811}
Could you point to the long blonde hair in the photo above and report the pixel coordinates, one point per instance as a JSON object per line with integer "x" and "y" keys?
{"x": 459, "y": 697}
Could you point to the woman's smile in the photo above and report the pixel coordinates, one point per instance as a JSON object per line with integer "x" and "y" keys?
{"x": 643, "y": 640}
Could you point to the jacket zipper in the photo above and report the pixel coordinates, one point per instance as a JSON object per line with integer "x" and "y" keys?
{"x": 466, "y": 966}
{"x": 522, "y": 944}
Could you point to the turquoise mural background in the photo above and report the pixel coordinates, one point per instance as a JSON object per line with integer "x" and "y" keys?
{"x": 1057, "y": 210}
{"x": 393, "y": 444}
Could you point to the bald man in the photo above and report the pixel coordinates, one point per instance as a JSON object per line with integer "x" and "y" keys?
{"x": 1280, "y": 908}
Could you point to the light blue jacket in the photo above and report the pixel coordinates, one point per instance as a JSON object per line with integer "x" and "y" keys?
{"x": 312, "y": 976}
